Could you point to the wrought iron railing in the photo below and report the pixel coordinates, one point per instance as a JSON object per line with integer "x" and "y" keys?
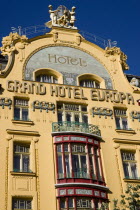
{"x": 41, "y": 29}
{"x": 130, "y": 177}
{"x": 75, "y": 126}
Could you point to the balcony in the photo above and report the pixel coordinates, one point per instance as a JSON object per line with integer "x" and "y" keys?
{"x": 76, "y": 127}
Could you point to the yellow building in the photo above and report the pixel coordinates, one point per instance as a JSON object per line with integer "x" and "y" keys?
{"x": 69, "y": 120}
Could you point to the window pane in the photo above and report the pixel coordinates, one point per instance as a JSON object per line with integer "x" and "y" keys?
{"x": 124, "y": 123}
{"x": 25, "y": 163}
{"x": 134, "y": 171}
{"x": 70, "y": 203}
{"x": 117, "y": 119}
{"x": 67, "y": 165}
{"x": 16, "y": 162}
{"x": 16, "y": 113}
{"x": 60, "y": 164}
{"x": 60, "y": 117}
{"x": 84, "y": 118}
{"x": 126, "y": 169}
{"x": 25, "y": 114}
{"x": 68, "y": 117}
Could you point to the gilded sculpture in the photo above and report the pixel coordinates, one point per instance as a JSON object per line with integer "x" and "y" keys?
{"x": 62, "y": 17}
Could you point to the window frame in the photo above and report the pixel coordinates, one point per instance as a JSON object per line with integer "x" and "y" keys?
{"x": 131, "y": 174}
{"x": 22, "y": 199}
{"x": 21, "y": 108}
{"x": 122, "y": 118}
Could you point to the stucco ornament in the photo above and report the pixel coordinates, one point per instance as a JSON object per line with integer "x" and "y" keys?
{"x": 62, "y": 17}
{"x": 134, "y": 82}
{"x": 110, "y": 51}
{"x": 14, "y": 42}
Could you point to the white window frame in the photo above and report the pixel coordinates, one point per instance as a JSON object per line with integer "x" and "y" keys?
{"x": 21, "y": 104}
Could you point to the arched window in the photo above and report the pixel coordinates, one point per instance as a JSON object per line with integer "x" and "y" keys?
{"x": 48, "y": 76}
{"x": 91, "y": 81}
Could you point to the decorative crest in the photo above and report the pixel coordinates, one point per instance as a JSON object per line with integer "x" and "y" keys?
{"x": 9, "y": 45}
{"x": 62, "y": 17}
{"x": 117, "y": 51}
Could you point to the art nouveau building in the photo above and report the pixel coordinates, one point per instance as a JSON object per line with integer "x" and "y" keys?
{"x": 69, "y": 135}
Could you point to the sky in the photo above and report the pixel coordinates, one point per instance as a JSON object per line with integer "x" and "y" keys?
{"x": 116, "y": 20}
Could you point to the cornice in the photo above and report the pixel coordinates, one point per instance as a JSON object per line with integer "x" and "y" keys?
{"x": 23, "y": 132}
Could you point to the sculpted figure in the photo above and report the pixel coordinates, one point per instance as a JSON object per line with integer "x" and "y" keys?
{"x": 134, "y": 82}
{"x": 72, "y": 18}
{"x": 53, "y": 16}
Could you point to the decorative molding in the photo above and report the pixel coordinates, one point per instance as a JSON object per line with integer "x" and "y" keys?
{"x": 79, "y": 184}
{"x": 135, "y": 115}
{"x": 37, "y": 182}
{"x": 111, "y": 51}
{"x": 22, "y": 132}
{"x": 48, "y": 106}
{"x": 6, "y": 179}
{"x": 5, "y": 102}
{"x": 101, "y": 111}
{"x": 12, "y": 43}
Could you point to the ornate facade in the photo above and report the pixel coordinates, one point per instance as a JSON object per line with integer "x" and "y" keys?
{"x": 69, "y": 120}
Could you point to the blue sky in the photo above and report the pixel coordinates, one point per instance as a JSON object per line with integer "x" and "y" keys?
{"x": 116, "y": 20}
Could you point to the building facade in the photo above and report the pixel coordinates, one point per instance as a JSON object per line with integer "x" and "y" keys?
{"x": 69, "y": 121}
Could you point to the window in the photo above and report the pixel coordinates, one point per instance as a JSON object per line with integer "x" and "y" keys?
{"x": 89, "y": 83}
{"x": 46, "y": 78}
{"x": 72, "y": 113}
{"x": 129, "y": 165}
{"x": 21, "y": 109}
{"x": 79, "y": 203}
{"x": 77, "y": 160}
{"x": 121, "y": 119}
{"x": 21, "y": 204}
{"x": 21, "y": 160}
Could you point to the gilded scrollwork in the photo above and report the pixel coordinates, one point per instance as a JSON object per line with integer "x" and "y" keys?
{"x": 12, "y": 43}
{"x": 111, "y": 51}
{"x": 101, "y": 111}
{"x": 43, "y": 106}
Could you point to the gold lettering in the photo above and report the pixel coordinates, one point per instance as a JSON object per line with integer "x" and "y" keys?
{"x": 42, "y": 89}
{"x": 94, "y": 95}
{"x": 130, "y": 98}
{"x": 17, "y": 85}
{"x": 115, "y": 96}
{"x": 10, "y": 86}
{"x": 122, "y": 96}
{"x": 82, "y": 94}
{"x": 61, "y": 91}
{"x": 76, "y": 93}
{"x": 25, "y": 86}
{"x": 55, "y": 90}
{"x": 69, "y": 91}
{"x": 101, "y": 98}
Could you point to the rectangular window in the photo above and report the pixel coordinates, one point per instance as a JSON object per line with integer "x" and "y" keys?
{"x": 74, "y": 113}
{"x": 129, "y": 165}
{"x": 21, "y": 109}
{"x": 18, "y": 203}
{"x": 121, "y": 119}
{"x": 21, "y": 160}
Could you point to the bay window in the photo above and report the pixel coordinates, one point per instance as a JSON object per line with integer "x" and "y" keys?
{"x": 129, "y": 164}
{"x": 78, "y": 160}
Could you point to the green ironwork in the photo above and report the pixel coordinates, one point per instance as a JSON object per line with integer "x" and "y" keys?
{"x": 75, "y": 126}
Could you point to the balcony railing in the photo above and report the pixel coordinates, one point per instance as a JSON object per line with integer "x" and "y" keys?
{"x": 75, "y": 126}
